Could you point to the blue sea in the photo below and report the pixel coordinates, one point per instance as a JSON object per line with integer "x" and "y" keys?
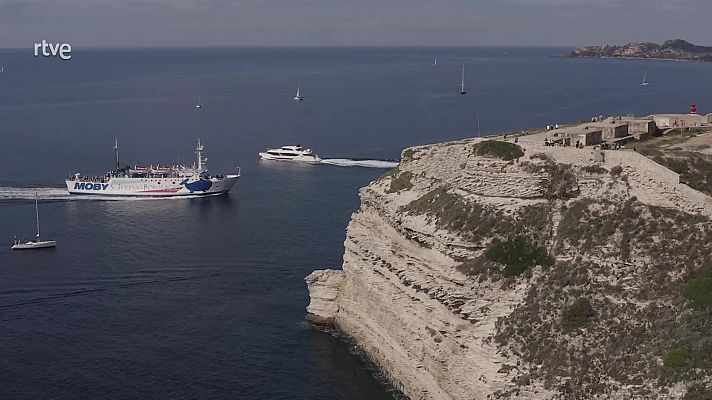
{"x": 204, "y": 298}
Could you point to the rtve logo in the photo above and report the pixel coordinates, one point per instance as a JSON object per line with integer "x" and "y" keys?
{"x": 61, "y": 50}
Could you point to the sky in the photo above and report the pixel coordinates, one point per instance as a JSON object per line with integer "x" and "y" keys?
{"x": 221, "y": 23}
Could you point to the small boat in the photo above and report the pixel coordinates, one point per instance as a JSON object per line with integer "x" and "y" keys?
{"x": 36, "y": 243}
{"x": 645, "y": 79}
{"x": 291, "y": 153}
{"x": 298, "y": 97}
{"x": 435, "y": 62}
{"x": 199, "y": 105}
{"x": 462, "y": 82}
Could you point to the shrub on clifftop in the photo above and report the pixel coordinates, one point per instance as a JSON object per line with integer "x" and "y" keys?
{"x": 517, "y": 254}
{"x": 594, "y": 169}
{"x": 676, "y": 358}
{"x": 577, "y": 314}
{"x": 504, "y": 150}
{"x": 401, "y": 181}
{"x": 699, "y": 289}
{"x": 453, "y": 212}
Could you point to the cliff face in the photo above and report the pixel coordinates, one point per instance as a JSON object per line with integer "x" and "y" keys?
{"x": 671, "y": 49}
{"x": 476, "y": 271}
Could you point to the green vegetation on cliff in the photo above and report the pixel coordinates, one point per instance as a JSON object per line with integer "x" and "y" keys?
{"x": 594, "y": 169}
{"x": 401, "y": 181}
{"x": 496, "y": 148}
{"x": 676, "y": 358}
{"x": 695, "y": 169}
{"x": 561, "y": 182}
{"x": 408, "y": 155}
{"x": 699, "y": 289}
{"x": 517, "y": 254}
{"x": 452, "y": 212}
{"x": 578, "y": 314}
{"x": 633, "y": 269}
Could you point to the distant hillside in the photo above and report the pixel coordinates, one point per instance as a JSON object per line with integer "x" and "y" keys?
{"x": 677, "y": 49}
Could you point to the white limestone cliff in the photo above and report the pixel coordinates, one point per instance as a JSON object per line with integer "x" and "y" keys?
{"x": 428, "y": 326}
{"x": 324, "y": 286}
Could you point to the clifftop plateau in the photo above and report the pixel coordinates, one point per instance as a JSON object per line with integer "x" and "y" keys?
{"x": 485, "y": 269}
{"x": 677, "y": 49}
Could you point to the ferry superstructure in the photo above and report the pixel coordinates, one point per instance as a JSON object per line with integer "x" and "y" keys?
{"x": 154, "y": 180}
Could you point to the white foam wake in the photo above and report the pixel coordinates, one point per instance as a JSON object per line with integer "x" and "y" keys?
{"x": 27, "y": 193}
{"x": 347, "y": 162}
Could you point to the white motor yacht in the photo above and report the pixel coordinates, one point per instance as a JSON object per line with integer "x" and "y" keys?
{"x": 291, "y": 153}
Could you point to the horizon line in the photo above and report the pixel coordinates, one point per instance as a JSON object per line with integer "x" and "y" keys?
{"x": 359, "y": 46}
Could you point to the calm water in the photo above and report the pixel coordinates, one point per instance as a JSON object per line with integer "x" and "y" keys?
{"x": 204, "y": 298}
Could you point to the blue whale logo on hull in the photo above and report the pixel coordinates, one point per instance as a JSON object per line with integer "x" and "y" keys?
{"x": 200, "y": 185}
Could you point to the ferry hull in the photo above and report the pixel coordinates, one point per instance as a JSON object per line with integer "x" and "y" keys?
{"x": 153, "y": 187}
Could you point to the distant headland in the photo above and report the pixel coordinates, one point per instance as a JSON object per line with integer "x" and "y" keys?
{"x": 677, "y": 49}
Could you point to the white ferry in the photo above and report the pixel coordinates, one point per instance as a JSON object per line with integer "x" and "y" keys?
{"x": 291, "y": 153}
{"x": 154, "y": 180}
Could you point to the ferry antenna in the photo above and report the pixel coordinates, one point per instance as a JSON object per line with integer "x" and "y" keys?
{"x": 199, "y": 153}
{"x": 116, "y": 152}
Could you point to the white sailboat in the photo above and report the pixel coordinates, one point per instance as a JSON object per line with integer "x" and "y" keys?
{"x": 200, "y": 104}
{"x": 462, "y": 82}
{"x": 298, "y": 97}
{"x": 645, "y": 79}
{"x": 37, "y": 243}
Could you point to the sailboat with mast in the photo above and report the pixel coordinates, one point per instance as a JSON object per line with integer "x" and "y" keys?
{"x": 645, "y": 79}
{"x": 462, "y": 81}
{"x": 36, "y": 243}
{"x": 298, "y": 97}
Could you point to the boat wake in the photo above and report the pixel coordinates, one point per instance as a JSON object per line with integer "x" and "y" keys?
{"x": 351, "y": 162}
{"x": 28, "y": 193}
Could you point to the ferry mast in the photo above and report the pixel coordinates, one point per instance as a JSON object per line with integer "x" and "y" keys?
{"x": 199, "y": 152}
{"x": 116, "y": 152}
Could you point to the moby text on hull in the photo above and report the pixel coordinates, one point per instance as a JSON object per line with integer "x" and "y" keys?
{"x": 154, "y": 181}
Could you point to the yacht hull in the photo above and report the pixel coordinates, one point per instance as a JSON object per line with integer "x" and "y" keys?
{"x": 45, "y": 244}
{"x": 304, "y": 159}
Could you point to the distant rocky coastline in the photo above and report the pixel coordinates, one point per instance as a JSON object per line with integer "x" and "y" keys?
{"x": 677, "y": 49}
